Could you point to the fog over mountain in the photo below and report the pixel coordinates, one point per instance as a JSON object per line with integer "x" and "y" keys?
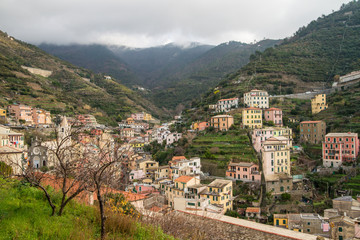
{"x": 146, "y": 23}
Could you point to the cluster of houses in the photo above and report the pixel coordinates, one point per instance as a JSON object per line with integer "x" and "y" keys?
{"x": 26, "y": 115}
{"x": 340, "y": 222}
{"x": 141, "y": 129}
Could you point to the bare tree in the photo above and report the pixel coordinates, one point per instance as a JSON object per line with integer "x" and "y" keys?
{"x": 105, "y": 171}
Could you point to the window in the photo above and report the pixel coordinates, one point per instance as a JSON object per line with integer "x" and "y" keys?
{"x": 340, "y": 229}
{"x": 284, "y": 221}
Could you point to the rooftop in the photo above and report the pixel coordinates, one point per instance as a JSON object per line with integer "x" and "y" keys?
{"x": 219, "y": 183}
{"x": 227, "y": 99}
{"x": 253, "y": 210}
{"x": 348, "y": 134}
{"x": 242, "y": 164}
{"x": 344, "y": 198}
{"x": 311, "y": 121}
{"x": 184, "y": 179}
{"x": 251, "y": 108}
{"x": 222, "y": 116}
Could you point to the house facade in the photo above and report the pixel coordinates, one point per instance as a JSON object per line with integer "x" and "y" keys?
{"x": 222, "y": 122}
{"x": 318, "y": 103}
{"x": 340, "y": 147}
{"x": 225, "y": 105}
{"x": 275, "y": 115}
{"x": 312, "y": 131}
{"x": 256, "y": 98}
{"x": 219, "y": 192}
{"x": 244, "y": 171}
{"x": 259, "y": 136}
{"x": 3, "y": 115}
{"x": 275, "y": 157}
{"x": 252, "y": 117}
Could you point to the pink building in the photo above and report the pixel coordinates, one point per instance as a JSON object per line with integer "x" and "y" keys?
{"x": 31, "y": 116}
{"x": 244, "y": 171}
{"x": 203, "y": 125}
{"x": 274, "y": 115}
{"x": 138, "y": 116}
{"x": 144, "y": 189}
{"x": 259, "y": 136}
{"x": 340, "y": 147}
{"x": 136, "y": 175}
{"x": 21, "y": 112}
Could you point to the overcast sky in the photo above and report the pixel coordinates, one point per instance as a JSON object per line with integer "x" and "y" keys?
{"x": 144, "y": 23}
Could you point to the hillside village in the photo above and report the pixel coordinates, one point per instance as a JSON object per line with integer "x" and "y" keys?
{"x": 272, "y": 181}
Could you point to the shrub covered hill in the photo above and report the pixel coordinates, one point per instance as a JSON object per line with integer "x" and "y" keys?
{"x": 308, "y": 60}
{"x": 68, "y": 90}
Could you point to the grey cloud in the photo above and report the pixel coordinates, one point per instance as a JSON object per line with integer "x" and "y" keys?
{"x": 141, "y": 23}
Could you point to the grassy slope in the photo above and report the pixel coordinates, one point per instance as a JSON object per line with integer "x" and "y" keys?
{"x": 216, "y": 149}
{"x": 25, "y": 214}
{"x": 64, "y": 91}
{"x": 308, "y": 60}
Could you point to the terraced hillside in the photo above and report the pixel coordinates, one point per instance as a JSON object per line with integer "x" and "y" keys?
{"x": 218, "y": 149}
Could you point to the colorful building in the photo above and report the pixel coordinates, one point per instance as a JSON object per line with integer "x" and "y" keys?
{"x": 200, "y": 126}
{"x": 312, "y": 131}
{"x": 340, "y": 147}
{"x": 21, "y": 112}
{"x": 259, "y": 136}
{"x": 3, "y": 114}
{"x": 275, "y": 115}
{"x": 244, "y": 171}
{"x": 225, "y": 105}
{"x": 318, "y": 103}
{"x": 219, "y": 192}
{"x": 252, "y": 117}
{"x": 275, "y": 157}
{"x": 87, "y": 119}
{"x": 256, "y": 98}
{"x": 222, "y": 122}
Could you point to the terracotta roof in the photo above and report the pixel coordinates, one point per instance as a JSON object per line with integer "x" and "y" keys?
{"x": 349, "y": 134}
{"x": 252, "y": 108}
{"x": 242, "y": 164}
{"x": 183, "y": 179}
{"x": 253, "y": 210}
{"x": 219, "y": 183}
{"x": 273, "y": 109}
{"x": 178, "y": 158}
{"x": 228, "y": 99}
{"x": 221, "y": 116}
{"x": 311, "y": 121}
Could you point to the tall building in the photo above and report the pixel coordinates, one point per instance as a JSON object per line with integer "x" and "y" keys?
{"x": 256, "y": 98}
{"x": 318, "y": 103}
{"x": 312, "y": 131}
{"x": 252, "y": 117}
{"x": 275, "y": 157}
{"x": 340, "y": 147}
{"x": 275, "y": 115}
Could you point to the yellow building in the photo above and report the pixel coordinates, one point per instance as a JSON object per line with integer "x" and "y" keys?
{"x": 318, "y": 103}
{"x": 2, "y": 114}
{"x": 252, "y": 117}
{"x": 222, "y": 122}
{"x": 162, "y": 172}
{"x": 281, "y": 220}
{"x": 147, "y": 165}
{"x": 219, "y": 192}
{"x": 180, "y": 188}
{"x": 148, "y": 117}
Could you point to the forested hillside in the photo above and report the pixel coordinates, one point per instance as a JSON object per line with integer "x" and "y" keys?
{"x": 68, "y": 90}
{"x": 308, "y": 60}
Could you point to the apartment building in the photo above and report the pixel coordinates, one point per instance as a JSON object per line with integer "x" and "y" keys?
{"x": 225, "y": 105}
{"x": 252, "y": 117}
{"x": 219, "y": 192}
{"x": 87, "y": 119}
{"x": 244, "y": 171}
{"x": 318, "y": 103}
{"x": 256, "y": 98}
{"x": 340, "y": 147}
{"x": 275, "y": 115}
{"x": 312, "y": 131}
{"x": 182, "y": 166}
{"x": 21, "y": 112}
{"x": 275, "y": 157}
{"x": 222, "y": 122}
{"x": 259, "y": 136}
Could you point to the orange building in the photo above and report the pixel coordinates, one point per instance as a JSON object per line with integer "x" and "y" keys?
{"x": 222, "y": 122}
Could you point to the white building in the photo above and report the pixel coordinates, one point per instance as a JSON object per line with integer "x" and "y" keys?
{"x": 173, "y": 137}
{"x": 187, "y": 167}
{"x": 256, "y": 98}
{"x": 225, "y": 105}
